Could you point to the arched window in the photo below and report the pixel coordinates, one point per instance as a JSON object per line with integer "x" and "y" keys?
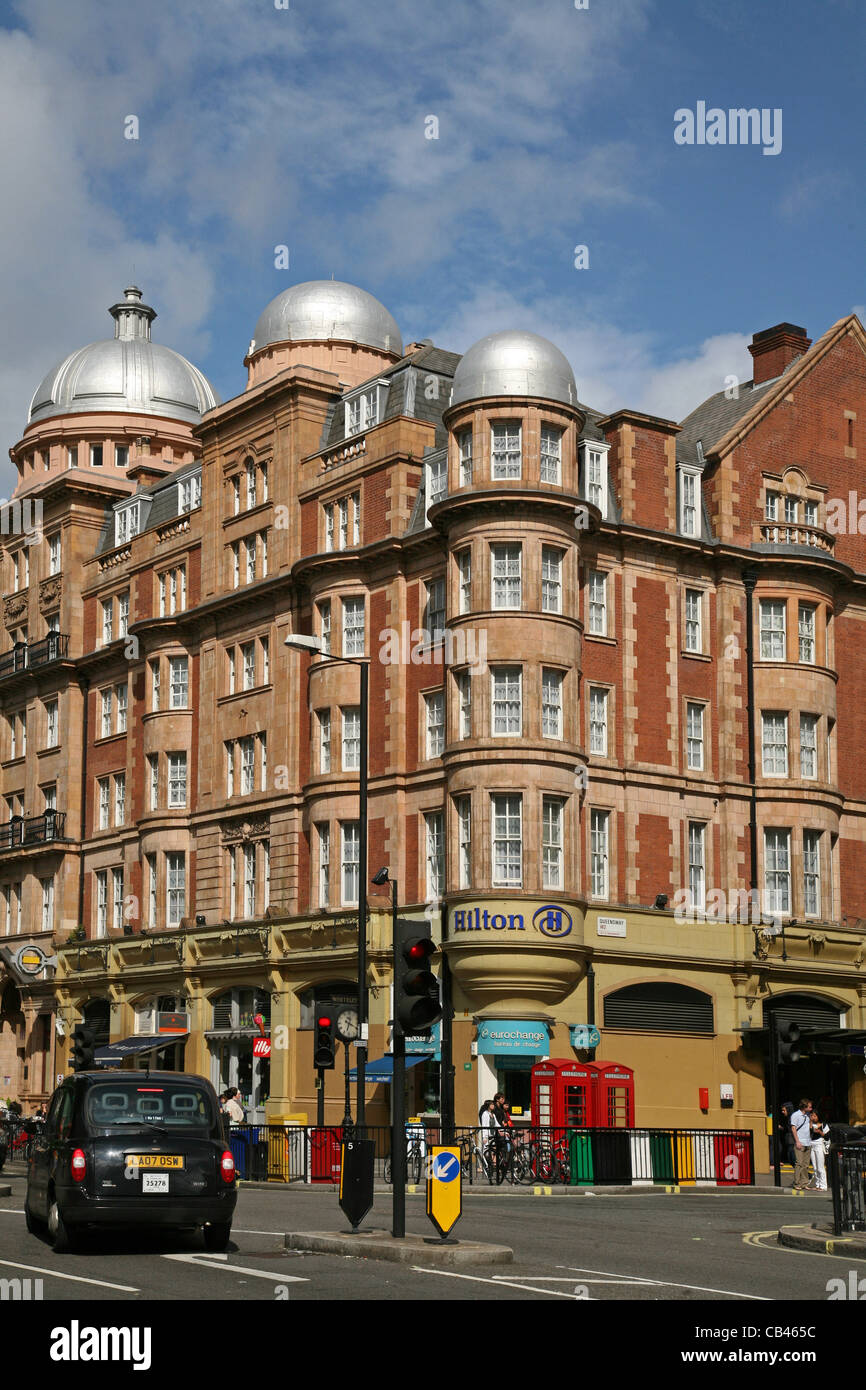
{"x": 97, "y": 1017}
{"x": 659, "y": 1007}
{"x": 806, "y": 1010}
{"x": 237, "y": 1009}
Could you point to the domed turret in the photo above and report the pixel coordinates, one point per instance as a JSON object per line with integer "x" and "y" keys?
{"x": 322, "y": 310}
{"x": 514, "y": 363}
{"x": 127, "y": 373}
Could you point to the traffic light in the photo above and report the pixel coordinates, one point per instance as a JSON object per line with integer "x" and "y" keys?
{"x": 416, "y": 988}
{"x": 324, "y": 1049}
{"x": 82, "y": 1049}
{"x": 788, "y": 1037}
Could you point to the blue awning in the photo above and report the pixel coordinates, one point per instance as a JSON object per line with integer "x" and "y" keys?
{"x": 128, "y": 1047}
{"x": 382, "y": 1071}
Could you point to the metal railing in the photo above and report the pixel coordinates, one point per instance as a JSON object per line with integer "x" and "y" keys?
{"x": 846, "y": 1169}
{"x": 522, "y": 1155}
{"x": 32, "y": 830}
{"x": 26, "y": 656}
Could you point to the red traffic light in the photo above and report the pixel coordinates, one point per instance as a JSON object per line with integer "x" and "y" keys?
{"x": 323, "y": 1021}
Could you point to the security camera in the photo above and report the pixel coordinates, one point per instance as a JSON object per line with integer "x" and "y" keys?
{"x": 381, "y": 877}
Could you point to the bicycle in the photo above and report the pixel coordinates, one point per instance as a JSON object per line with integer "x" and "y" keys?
{"x": 550, "y": 1160}
{"x": 416, "y": 1149}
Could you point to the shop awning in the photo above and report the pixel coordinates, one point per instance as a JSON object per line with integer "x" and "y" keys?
{"x": 128, "y": 1047}
{"x": 383, "y": 1069}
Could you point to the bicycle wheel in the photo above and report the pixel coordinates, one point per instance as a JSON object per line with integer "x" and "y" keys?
{"x": 522, "y": 1166}
{"x": 387, "y": 1169}
{"x": 413, "y": 1165}
{"x": 542, "y": 1163}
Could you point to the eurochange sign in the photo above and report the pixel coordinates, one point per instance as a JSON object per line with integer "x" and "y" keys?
{"x": 511, "y": 1035}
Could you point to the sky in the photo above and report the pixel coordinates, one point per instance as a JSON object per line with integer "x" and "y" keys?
{"x": 305, "y": 124}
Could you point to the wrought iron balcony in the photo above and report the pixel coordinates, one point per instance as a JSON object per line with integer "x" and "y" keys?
{"x": 27, "y": 656}
{"x": 23, "y": 831}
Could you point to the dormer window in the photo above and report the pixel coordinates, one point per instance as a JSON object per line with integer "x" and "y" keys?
{"x": 189, "y": 494}
{"x": 364, "y": 408}
{"x": 595, "y": 475}
{"x": 127, "y": 523}
{"x": 690, "y": 501}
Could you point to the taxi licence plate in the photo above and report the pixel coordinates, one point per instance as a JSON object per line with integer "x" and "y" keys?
{"x": 154, "y": 1160}
{"x": 154, "y": 1182}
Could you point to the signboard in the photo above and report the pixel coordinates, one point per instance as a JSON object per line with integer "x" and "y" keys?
{"x": 444, "y": 1189}
{"x": 172, "y": 1023}
{"x": 509, "y": 919}
{"x": 584, "y": 1035}
{"x": 356, "y": 1179}
{"x": 611, "y": 926}
{"x": 262, "y": 1047}
{"x": 431, "y": 1045}
{"x": 530, "y": 1039}
{"x": 29, "y": 960}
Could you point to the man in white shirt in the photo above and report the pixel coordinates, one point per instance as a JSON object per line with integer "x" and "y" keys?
{"x": 802, "y": 1132}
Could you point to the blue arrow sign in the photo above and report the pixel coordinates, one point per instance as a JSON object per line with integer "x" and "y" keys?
{"x": 446, "y": 1167}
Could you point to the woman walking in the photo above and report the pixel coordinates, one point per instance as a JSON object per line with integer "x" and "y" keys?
{"x": 819, "y": 1132}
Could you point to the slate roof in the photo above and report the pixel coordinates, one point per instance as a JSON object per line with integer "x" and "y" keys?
{"x": 716, "y": 415}
{"x": 409, "y": 394}
{"x": 164, "y": 506}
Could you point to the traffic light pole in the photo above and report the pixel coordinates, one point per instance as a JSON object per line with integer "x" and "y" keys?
{"x": 774, "y": 1096}
{"x": 320, "y": 1097}
{"x": 361, "y": 1106}
{"x": 398, "y": 1096}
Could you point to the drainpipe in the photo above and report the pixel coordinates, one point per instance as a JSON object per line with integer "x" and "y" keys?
{"x": 84, "y": 686}
{"x": 750, "y": 579}
{"x": 590, "y": 1002}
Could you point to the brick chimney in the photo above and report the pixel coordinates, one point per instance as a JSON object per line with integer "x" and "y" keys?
{"x": 774, "y": 349}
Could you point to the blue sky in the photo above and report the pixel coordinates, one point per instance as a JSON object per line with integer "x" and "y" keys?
{"x": 305, "y": 126}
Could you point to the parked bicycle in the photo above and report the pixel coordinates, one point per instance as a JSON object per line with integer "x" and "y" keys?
{"x": 416, "y": 1152}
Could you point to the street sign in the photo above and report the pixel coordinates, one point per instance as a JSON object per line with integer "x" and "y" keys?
{"x": 356, "y": 1179}
{"x": 444, "y": 1189}
{"x": 584, "y": 1035}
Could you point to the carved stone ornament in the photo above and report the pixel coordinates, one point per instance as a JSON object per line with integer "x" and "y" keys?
{"x": 256, "y": 828}
{"x": 50, "y": 590}
{"x": 14, "y": 609}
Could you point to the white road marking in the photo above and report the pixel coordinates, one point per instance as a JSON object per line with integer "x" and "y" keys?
{"x": 669, "y": 1284}
{"x": 561, "y": 1279}
{"x": 13, "y": 1211}
{"x": 205, "y": 1262}
{"x": 503, "y": 1283}
{"x": 76, "y": 1278}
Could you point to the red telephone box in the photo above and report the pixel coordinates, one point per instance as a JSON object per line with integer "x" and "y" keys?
{"x": 615, "y": 1096}
{"x": 583, "y": 1095}
{"x": 563, "y": 1093}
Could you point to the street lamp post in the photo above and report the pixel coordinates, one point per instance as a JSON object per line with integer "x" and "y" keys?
{"x": 314, "y": 645}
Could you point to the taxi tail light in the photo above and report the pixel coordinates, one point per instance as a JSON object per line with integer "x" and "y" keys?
{"x": 227, "y": 1167}
{"x": 78, "y": 1165}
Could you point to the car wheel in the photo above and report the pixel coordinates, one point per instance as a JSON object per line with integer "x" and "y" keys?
{"x": 34, "y": 1226}
{"x": 216, "y": 1235}
{"x": 62, "y": 1239}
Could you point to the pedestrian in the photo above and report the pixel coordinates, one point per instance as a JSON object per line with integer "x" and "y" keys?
{"x": 234, "y": 1108}
{"x": 819, "y": 1131}
{"x": 801, "y": 1129}
{"x": 783, "y": 1129}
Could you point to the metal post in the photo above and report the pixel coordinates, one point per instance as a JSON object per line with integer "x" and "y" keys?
{"x": 347, "y": 1112}
{"x": 398, "y": 1099}
{"x": 446, "y": 1065}
{"x": 774, "y": 1097}
{"x": 360, "y": 1108}
{"x": 320, "y": 1098}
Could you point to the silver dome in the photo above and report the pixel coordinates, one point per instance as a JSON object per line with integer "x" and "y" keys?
{"x": 322, "y": 309}
{"x": 126, "y": 373}
{"x": 514, "y": 363}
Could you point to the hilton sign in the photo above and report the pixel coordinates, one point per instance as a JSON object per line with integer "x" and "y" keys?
{"x": 550, "y": 921}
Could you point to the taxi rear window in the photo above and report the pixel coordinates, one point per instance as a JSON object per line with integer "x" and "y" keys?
{"x": 172, "y": 1105}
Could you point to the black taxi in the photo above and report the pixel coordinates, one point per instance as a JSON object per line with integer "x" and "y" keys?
{"x": 129, "y": 1148}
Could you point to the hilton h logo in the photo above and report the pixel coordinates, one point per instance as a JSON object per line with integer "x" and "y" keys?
{"x": 552, "y": 921}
